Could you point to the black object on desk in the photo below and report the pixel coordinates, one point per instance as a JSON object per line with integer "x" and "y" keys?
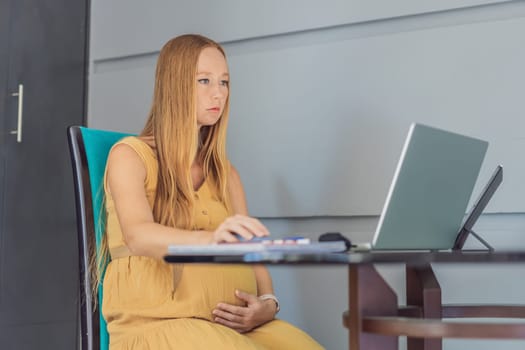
{"x": 335, "y": 237}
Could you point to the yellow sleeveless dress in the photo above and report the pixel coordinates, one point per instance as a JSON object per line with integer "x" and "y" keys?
{"x": 146, "y": 307}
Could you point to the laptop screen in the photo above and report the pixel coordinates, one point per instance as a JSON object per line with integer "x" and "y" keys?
{"x": 430, "y": 190}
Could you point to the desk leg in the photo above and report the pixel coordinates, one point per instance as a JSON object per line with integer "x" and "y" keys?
{"x": 423, "y": 290}
{"x": 369, "y": 295}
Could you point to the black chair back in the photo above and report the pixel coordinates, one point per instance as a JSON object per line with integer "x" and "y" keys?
{"x": 89, "y": 314}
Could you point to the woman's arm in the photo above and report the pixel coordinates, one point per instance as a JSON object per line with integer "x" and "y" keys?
{"x": 143, "y": 236}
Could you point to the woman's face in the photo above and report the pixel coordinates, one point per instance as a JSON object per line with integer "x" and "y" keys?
{"x": 212, "y": 86}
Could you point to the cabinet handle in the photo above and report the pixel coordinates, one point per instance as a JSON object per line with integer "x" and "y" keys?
{"x": 20, "y": 95}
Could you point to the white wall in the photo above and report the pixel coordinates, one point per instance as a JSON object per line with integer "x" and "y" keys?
{"x": 322, "y": 96}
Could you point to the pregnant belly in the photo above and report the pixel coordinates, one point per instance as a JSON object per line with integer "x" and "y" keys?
{"x": 202, "y": 287}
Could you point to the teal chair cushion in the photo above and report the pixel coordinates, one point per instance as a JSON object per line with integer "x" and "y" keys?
{"x": 97, "y": 144}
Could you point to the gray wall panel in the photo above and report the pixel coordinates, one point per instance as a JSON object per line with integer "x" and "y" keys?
{"x": 124, "y": 28}
{"x": 337, "y": 114}
{"x": 120, "y": 99}
{"x": 317, "y": 127}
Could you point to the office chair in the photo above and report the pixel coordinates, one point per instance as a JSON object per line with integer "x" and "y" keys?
{"x": 89, "y": 150}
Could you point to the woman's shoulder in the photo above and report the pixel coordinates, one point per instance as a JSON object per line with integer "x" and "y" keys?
{"x": 133, "y": 155}
{"x": 232, "y": 174}
{"x": 234, "y": 181}
{"x": 134, "y": 151}
{"x": 145, "y": 142}
{"x": 236, "y": 191}
{"x": 144, "y": 146}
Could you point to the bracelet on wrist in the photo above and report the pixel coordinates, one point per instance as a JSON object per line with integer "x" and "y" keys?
{"x": 271, "y": 297}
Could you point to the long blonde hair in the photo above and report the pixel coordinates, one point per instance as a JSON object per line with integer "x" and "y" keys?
{"x": 173, "y": 124}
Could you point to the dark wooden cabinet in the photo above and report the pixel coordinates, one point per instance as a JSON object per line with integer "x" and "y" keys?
{"x": 43, "y": 46}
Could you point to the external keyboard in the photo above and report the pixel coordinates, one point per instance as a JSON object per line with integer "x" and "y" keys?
{"x": 273, "y": 245}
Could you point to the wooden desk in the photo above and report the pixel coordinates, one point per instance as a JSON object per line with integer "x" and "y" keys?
{"x": 375, "y": 320}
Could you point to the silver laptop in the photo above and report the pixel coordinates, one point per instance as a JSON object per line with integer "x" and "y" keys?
{"x": 430, "y": 191}
{"x": 424, "y": 208}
